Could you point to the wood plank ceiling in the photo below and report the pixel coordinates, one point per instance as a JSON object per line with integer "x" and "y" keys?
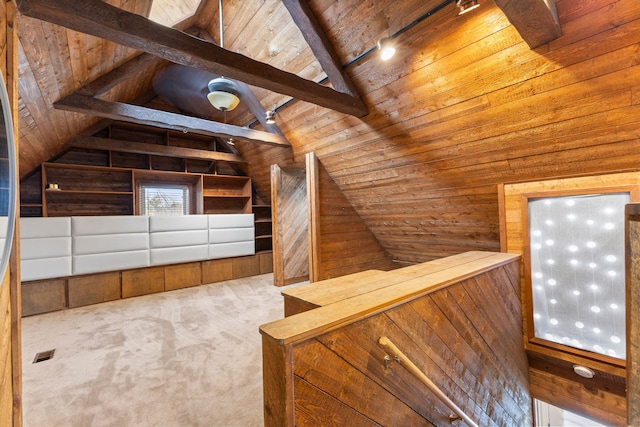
{"x": 466, "y": 103}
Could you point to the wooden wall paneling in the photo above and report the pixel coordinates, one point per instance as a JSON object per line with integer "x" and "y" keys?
{"x": 290, "y": 225}
{"x": 142, "y": 281}
{"x": 579, "y": 397}
{"x": 632, "y": 262}
{"x": 265, "y": 260}
{"x": 217, "y": 270}
{"x": 343, "y": 243}
{"x": 602, "y": 406}
{"x": 180, "y": 276}
{"x": 245, "y": 266}
{"x": 93, "y": 289}
{"x": 7, "y": 390}
{"x": 456, "y": 331}
{"x": 277, "y": 384}
{"x": 44, "y": 296}
{"x": 11, "y": 310}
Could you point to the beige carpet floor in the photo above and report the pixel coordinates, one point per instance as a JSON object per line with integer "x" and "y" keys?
{"x": 190, "y": 357}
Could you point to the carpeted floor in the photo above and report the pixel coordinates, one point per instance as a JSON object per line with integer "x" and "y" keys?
{"x": 190, "y": 357}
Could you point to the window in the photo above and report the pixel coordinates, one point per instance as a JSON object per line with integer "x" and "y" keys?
{"x": 576, "y": 247}
{"x": 164, "y": 199}
{"x": 548, "y": 415}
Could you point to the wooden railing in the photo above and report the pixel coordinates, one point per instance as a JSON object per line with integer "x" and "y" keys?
{"x": 460, "y": 321}
{"x": 458, "y": 414}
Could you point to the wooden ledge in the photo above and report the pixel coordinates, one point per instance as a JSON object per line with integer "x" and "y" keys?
{"x": 411, "y": 284}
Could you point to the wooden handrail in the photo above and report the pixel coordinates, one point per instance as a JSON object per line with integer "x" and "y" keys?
{"x": 411, "y": 367}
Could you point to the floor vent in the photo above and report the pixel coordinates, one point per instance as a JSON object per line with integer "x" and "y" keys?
{"x": 44, "y": 355}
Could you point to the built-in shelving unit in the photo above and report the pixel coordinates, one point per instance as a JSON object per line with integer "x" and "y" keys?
{"x": 226, "y": 194}
{"x": 86, "y": 190}
{"x": 263, "y": 228}
{"x": 61, "y": 189}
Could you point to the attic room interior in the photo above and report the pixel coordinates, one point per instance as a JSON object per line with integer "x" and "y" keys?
{"x": 448, "y": 236}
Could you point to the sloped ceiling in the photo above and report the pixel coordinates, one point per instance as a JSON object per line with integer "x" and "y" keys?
{"x": 465, "y": 105}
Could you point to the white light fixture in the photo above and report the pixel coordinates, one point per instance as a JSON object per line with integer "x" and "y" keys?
{"x": 269, "y": 117}
{"x": 386, "y": 48}
{"x": 223, "y": 94}
{"x": 467, "y": 5}
{"x": 583, "y": 371}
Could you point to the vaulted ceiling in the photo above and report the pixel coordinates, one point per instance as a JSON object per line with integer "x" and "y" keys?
{"x": 469, "y": 101}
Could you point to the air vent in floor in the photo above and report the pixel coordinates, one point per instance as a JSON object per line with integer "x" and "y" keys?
{"x": 44, "y": 355}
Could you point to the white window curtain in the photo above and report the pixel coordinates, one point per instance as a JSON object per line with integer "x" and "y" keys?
{"x": 578, "y": 269}
{"x": 164, "y": 200}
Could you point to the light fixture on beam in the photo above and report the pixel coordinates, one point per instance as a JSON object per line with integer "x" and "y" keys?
{"x": 387, "y": 49}
{"x": 223, "y": 94}
{"x": 270, "y": 117}
{"x": 467, "y": 5}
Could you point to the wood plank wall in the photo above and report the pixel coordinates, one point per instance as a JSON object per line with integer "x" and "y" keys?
{"x": 551, "y": 369}
{"x": 291, "y": 225}
{"x": 341, "y": 241}
{"x": 10, "y": 332}
{"x": 466, "y": 105}
{"x": 465, "y": 336}
{"x": 633, "y": 320}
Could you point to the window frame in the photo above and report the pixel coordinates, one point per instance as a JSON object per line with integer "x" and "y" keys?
{"x": 554, "y": 347}
{"x": 193, "y": 182}
{"x": 170, "y": 186}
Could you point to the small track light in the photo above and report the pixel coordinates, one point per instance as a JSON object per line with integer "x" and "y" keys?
{"x": 387, "y": 50}
{"x": 270, "y": 117}
{"x": 467, "y": 5}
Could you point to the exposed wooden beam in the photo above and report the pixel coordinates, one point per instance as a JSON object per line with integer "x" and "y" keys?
{"x": 100, "y": 19}
{"x": 246, "y": 94}
{"x": 319, "y": 43}
{"x": 118, "y": 75}
{"x": 153, "y": 149}
{"x": 536, "y": 20}
{"x": 163, "y": 119}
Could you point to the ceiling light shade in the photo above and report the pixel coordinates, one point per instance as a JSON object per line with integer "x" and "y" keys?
{"x": 387, "y": 50}
{"x": 467, "y": 5}
{"x": 269, "y": 117}
{"x": 223, "y": 94}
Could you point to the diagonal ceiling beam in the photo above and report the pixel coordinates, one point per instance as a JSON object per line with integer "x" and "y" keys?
{"x": 163, "y": 119}
{"x": 536, "y": 20}
{"x": 100, "y": 19}
{"x": 320, "y": 45}
{"x": 118, "y": 75}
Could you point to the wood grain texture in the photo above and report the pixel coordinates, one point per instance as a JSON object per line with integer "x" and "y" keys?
{"x": 632, "y": 219}
{"x": 536, "y": 20}
{"x": 342, "y": 242}
{"x": 43, "y": 296}
{"x": 142, "y": 281}
{"x": 93, "y": 289}
{"x": 572, "y": 393}
{"x": 290, "y": 224}
{"x": 464, "y": 332}
{"x": 180, "y": 276}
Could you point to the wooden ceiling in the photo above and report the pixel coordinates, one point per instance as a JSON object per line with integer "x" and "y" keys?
{"x": 468, "y": 102}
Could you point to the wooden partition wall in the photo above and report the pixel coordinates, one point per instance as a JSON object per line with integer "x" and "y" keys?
{"x": 633, "y": 316}
{"x": 317, "y": 233}
{"x": 290, "y": 221}
{"x": 459, "y": 324}
{"x": 341, "y": 242}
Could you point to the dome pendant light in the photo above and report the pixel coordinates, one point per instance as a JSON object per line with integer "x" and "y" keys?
{"x": 223, "y": 93}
